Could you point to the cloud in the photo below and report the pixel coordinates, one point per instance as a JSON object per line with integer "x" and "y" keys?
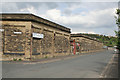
{"x": 91, "y": 17}
{"x": 30, "y": 9}
{"x": 95, "y": 18}
{"x": 25, "y": 6}
{"x": 10, "y": 7}
{"x": 96, "y": 21}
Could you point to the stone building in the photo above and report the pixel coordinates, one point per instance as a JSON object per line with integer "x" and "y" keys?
{"x": 85, "y": 43}
{"x": 30, "y": 36}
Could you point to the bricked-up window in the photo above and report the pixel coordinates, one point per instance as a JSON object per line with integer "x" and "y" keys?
{"x": 61, "y": 44}
{"x": 36, "y": 42}
{"x": 14, "y": 39}
{"x": 58, "y": 44}
{"x": 46, "y": 43}
{"x": 65, "y": 45}
{"x": 36, "y": 46}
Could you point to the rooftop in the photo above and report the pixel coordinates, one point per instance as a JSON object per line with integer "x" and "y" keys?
{"x": 81, "y": 35}
{"x": 31, "y": 17}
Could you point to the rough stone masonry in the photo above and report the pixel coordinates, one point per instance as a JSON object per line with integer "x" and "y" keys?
{"x": 18, "y": 41}
{"x": 85, "y": 44}
{"x": 51, "y": 38}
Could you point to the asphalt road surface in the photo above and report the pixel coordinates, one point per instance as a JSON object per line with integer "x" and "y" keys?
{"x": 86, "y": 66}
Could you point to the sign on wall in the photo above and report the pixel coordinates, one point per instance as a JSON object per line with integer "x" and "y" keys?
{"x": 1, "y": 30}
{"x": 37, "y": 35}
{"x": 17, "y": 32}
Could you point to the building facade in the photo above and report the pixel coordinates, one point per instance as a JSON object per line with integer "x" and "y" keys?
{"x": 84, "y": 44}
{"x": 30, "y": 36}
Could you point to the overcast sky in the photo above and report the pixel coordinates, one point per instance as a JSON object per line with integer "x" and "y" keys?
{"x": 81, "y": 17}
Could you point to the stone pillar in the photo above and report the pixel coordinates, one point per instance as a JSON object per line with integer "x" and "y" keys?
{"x": 1, "y": 43}
{"x": 69, "y": 52}
{"x": 1, "y": 40}
{"x": 53, "y": 43}
{"x": 41, "y": 31}
{"x": 28, "y": 48}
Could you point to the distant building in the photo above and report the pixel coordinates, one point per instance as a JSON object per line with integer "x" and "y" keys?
{"x": 86, "y": 44}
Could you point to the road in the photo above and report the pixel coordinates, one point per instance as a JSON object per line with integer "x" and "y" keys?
{"x": 86, "y": 66}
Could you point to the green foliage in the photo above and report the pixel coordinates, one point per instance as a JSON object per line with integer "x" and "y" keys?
{"x": 20, "y": 59}
{"x": 77, "y": 47}
{"x": 46, "y": 57}
{"x": 14, "y": 59}
{"x": 107, "y": 40}
{"x": 118, "y": 33}
{"x": 118, "y": 11}
{"x": 118, "y": 45}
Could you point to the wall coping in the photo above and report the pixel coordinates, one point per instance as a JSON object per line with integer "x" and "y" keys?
{"x": 80, "y": 35}
{"x": 33, "y": 18}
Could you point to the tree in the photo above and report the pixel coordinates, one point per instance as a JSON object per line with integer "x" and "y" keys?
{"x": 118, "y": 33}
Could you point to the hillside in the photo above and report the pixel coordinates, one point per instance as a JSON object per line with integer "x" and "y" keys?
{"x": 107, "y": 40}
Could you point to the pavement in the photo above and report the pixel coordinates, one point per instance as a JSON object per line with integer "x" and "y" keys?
{"x": 111, "y": 70}
{"x": 79, "y": 66}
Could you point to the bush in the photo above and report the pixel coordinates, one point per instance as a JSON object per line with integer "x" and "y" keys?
{"x": 20, "y": 59}
{"x": 14, "y": 59}
{"x": 46, "y": 57}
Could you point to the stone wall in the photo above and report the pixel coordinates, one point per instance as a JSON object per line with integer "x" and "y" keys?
{"x": 14, "y": 42}
{"x": 66, "y": 44}
{"x": 86, "y": 44}
{"x": 54, "y": 41}
{"x": 1, "y": 40}
{"x": 62, "y": 43}
{"x": 47, "y": 42}
{"x": 58, "y": 43}
{"x": 36, "y": 43}
{"x": 25, "y": 45}
{"x": 17, "y": 36}
{"x": 15, "y": 39}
